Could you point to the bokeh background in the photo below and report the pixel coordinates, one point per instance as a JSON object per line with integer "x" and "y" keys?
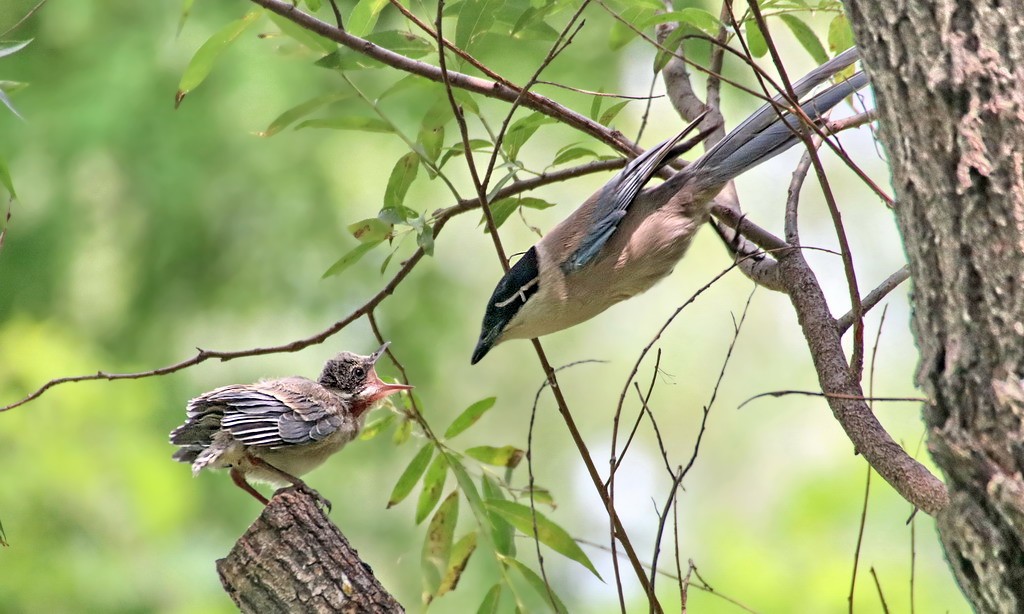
{"x": 142, "y": 232}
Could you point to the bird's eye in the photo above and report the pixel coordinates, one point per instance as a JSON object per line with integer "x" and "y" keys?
{"x": 359, "y": 372}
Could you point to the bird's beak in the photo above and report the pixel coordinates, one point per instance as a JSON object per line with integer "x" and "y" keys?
{"x": 378, "y": 389}
{"x": 376, "y": 355}
{"x": 484, "y": 345}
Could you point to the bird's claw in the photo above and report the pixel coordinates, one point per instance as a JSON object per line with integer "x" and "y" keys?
{"x": 320, "y": 499}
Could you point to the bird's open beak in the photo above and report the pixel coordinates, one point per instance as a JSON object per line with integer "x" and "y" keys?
{"x": 378, "y": 389}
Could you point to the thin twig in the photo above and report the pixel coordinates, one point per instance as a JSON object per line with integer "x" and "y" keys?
{"x": 826, "y": 395}
{"x": 875, "y": 296}
{"x": 881, "y": 596}
{"x": 860, "y": 539}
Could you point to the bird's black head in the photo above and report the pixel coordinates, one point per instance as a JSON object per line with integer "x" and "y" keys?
{"x": 511, "y": 293}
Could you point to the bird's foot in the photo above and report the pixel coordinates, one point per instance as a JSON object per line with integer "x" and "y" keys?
{"x": 320, "y": 499}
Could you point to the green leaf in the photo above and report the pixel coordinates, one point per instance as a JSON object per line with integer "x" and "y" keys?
{"x": 548, "y": 533}
{"x": 694, "y": 17}
{"x": 491, "y": 601}
{"x": 350, "y": 258}
{"x": 542, "y": 495}
{"x": 437, "y": 546}
{"x": 469, "y": 491}
{"x": 310, "y": 40}
{"x": 349, "y": 122}
{"x": 522, "y": 130}
{"x": 806, "y": 36}
{"x": 403, "y": 432}
{"x": 313, "y": 5}
{"x": 204, "y": 59}
{"x": 425, "y": 239}
{"x": 301, "y": 110}
{"x": 595, "y": 106}
{"x": 370, "y": 230}
{"x": 755, "y": 39}
{"x": 611, "y": 112}
{"x": 186, "y": 8}
{"x": 432, "y": 140}
{"x": 621, "y": 34}
{"x": 363, "y": 17}
{"x": 11, "y": 48}
{"x": 460, "y": 553}
{"x": 840, "y": 36}
{"x": 538, "y": 584}
{"x": 505, "y": 456}
{"x": 400, "y": 41}
{"x": 376, "y": 427}
{"x": 397, "y": 215}
{"x": 469, "y": 416}
{"x": 475, "y": 18}
{"x": 411, "y": 475}
{"x": 671, "y": 42}
{"x": 433, "y": 484}
{"x": 402, "y": 176}
{"x": 573, "y": 153}
{"x": 503, "y": 533}
{"x": 5, "y": 178}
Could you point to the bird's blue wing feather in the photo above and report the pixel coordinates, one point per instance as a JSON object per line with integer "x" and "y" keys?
{"x": 616, "y": 197}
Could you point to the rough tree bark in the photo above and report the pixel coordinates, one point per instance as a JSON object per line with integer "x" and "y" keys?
{"x": 293, "y": 559}
{"x": 948, "y": 81}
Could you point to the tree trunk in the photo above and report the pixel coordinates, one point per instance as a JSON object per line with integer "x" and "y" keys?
{"x": 293, "y": 559}
{"x": 948, "y": 84}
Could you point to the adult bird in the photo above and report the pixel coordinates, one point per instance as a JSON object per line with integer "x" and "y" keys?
{"x": 625, "y": 238}
{"x": 279, "y": 429}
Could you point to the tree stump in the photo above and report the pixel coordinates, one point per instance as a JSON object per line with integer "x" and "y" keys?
{"x": 294, "y": 559}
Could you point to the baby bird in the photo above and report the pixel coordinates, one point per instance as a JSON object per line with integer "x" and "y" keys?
{"x": 279, "y": 429}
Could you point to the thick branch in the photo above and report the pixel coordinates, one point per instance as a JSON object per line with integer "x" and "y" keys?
{"x": 909, "y": 477}
{"x": 293, "y": 559}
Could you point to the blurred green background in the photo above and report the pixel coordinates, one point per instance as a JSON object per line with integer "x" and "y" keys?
{"x": 142, "y": 232}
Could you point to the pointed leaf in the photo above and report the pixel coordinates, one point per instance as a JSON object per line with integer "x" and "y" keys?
{"x": 840, "y": 36}
{"x": 505, "y": 456}
{"x": 461, "y": 551}
{"x": 350, "y": 258}
{"x": 425, "y": 239}
{"x": 370, "y": 230}
{"x": 755, "y": 39}
{"x": 11, "y": 48}
{"x": 204, "y": 59}
{"x": 301, "y": 110}
{"x": 573, "y": 153}
{"x": 310, "y": 40}
{"x": 697, "y": 18}
{"x": 611, "y": 112}
{"x": 522, "y": 130}
{"x": 363, "y": 17}
{"x": 5, "y": 178}
{"x": 542, "y": 589}
{"x": 806, "y": 36}
{"x": 437, "y": 546}
{"x": 491, "y": 601}
{"x": 469, "y": 491}
{"x": 403, "y": 432}
{"x": 503, "y": 533}
{"x": 433, "y": 484}
{"x": 411, "y": 475}
{"x": 7, "y": 103}
{"x": 548, "y": 533}
{"x": 469, "y": 416}
{"x": 376, "y": 427}
{"x": 402, "y": 176}
{"x": 475, "y": 18}
{"x": 349, "y": 122}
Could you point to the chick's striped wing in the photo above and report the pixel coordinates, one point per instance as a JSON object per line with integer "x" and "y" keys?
{"x": 274, "y": 414}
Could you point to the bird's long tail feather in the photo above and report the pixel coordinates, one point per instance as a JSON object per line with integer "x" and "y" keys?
{"x": 764, "y": 134}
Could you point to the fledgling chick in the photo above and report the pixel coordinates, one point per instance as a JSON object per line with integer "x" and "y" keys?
{"x": 625, "y": 238}
{"x": 279, "y": 429}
